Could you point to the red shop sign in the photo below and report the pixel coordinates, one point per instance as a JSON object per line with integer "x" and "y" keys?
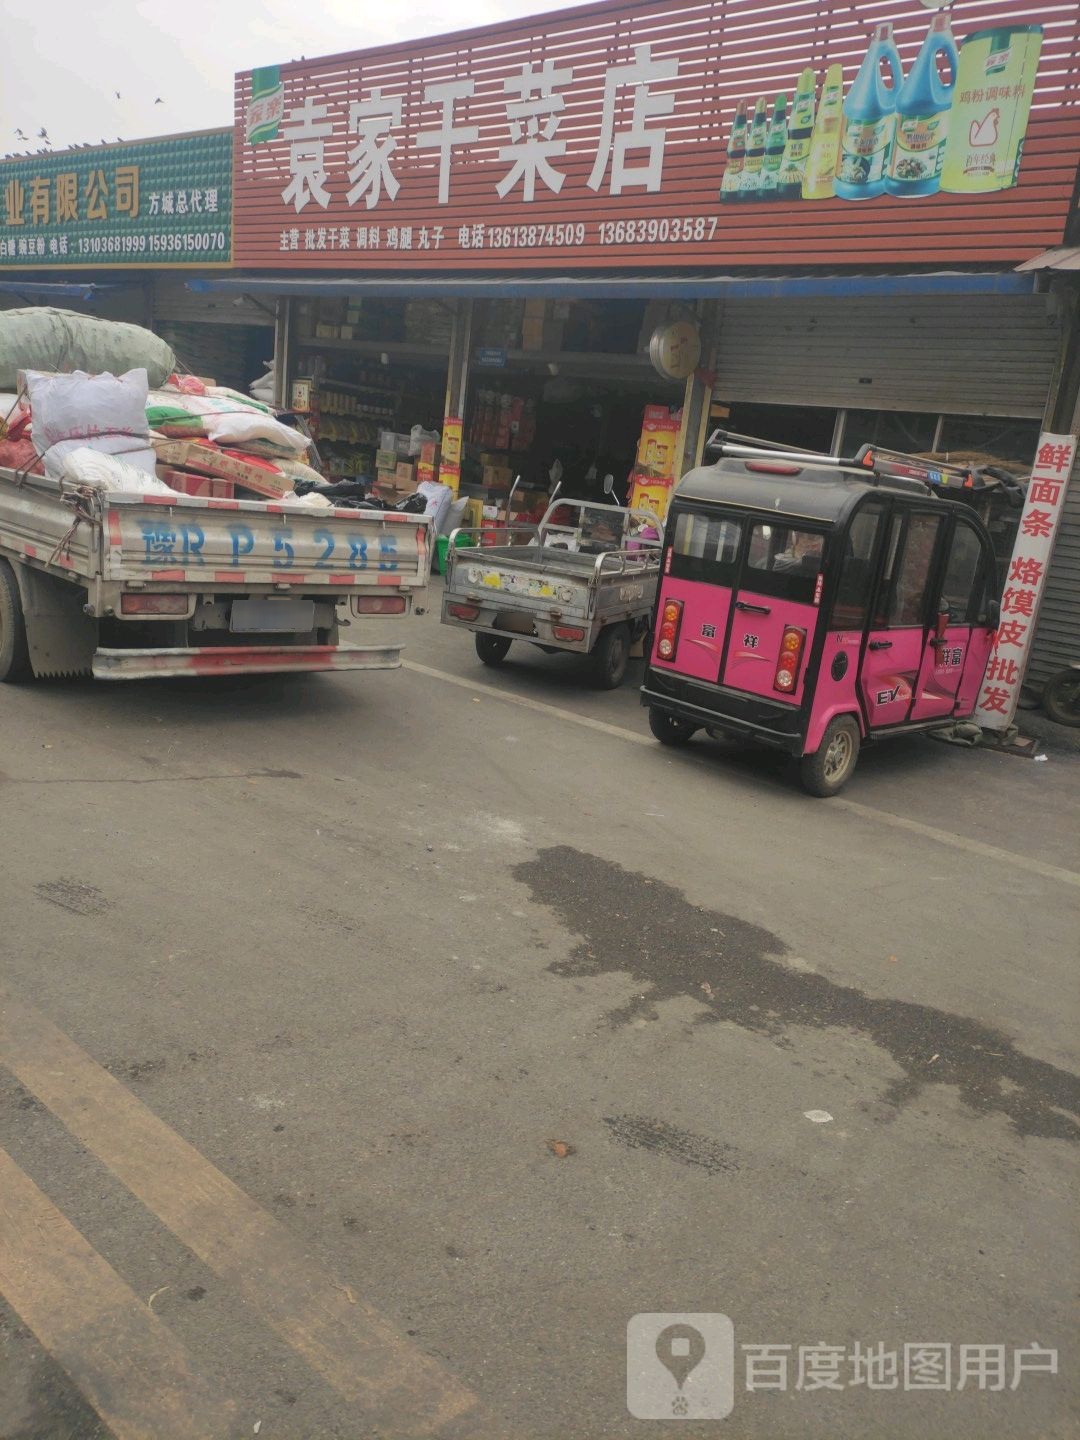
{"x": 721, "y": 132}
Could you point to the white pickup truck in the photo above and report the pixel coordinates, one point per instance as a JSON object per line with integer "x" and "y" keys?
{"x": 128, "y": 586}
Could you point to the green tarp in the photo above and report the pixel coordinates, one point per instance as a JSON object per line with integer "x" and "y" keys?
{"x": 45, "y": 339}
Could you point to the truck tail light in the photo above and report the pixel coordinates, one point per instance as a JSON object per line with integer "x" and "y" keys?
{"x": 153, "y": 604}
{"x": 791, "y": 651}
{"x": 568, "y": 632}
{"x": 464, "y": 612}
{"x": 670, "y": 624}
{"x": 379, "y": 604}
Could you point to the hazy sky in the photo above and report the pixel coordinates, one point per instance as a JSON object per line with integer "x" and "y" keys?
{"x": 63, "y": 61}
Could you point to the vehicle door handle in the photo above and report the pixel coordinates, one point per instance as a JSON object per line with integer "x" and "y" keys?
{"x": 753, "y": 609}
{"x": 880, "y": 645}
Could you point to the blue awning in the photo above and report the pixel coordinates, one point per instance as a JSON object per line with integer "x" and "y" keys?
{"x": 72, "y": 289}
{"x": 619, "y": 287}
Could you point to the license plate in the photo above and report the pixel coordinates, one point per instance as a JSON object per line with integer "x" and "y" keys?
{"x": 272, "y": 616}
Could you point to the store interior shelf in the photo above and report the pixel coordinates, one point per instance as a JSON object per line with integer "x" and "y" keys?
{"x": 351, "y": 389}
{"x": 396, "y": 349}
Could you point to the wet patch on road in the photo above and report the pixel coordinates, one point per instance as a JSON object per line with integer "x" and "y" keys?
{"x": 631, "y": 923}
{"x": 639, "y": 1132}
{"x": 73, "y": 895}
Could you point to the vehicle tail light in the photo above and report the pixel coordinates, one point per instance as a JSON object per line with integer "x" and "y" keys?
{"x": 773, "y": 467}
{"x": 787, "y": 669}
{"x": 464, "y": 612}
{"x": 153, "y": 604}
{"x": 670, "y": 624}
{"x": 568, "y": 632}
{"x": 378, "y": 604}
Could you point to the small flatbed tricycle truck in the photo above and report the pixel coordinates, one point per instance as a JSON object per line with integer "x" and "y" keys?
{"x": 583, "y": 580}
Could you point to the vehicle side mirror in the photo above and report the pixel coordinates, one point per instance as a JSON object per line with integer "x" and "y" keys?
{"x": 942, "y": 624}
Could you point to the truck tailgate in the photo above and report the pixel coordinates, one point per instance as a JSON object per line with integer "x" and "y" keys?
{"x": 516, "y": 585}
{"x": 248, "y": 544}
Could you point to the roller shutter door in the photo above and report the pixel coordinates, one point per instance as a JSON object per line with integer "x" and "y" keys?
{"x": 955, "y": 355}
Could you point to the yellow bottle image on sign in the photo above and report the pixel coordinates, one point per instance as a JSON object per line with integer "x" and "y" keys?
{"x": 820, "y": 176}
{"x": 750, "y": 179}
{"x": 797, "y": 148}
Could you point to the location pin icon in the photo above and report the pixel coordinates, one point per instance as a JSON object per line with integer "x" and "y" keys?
{"x": 680, "y": 1349}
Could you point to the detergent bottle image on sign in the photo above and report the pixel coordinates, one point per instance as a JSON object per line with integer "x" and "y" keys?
{"x": 922, "y": 115}
{"x": 775, "y": 143}
{"x": 736, "y": 155}
{"x": 995, "y": 82}
{"x": 820, "y": 176}
{"x": 866, "y": 139}
{"x": 750, "y": 180}
{"x": 799, "y": 132}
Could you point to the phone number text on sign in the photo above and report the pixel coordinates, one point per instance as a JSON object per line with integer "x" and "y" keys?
{"x": 681, "y": 229}
{"x": 207, "y": 242}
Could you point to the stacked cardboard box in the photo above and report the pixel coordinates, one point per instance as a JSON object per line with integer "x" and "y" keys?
{"x": 202, "y": 459}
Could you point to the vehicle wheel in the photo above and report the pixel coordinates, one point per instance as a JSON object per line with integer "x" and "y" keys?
{"x": 829, "y": 768}
{"x": 492, "y": 649}
{"x": 669, "y": 729}
{"x": 14, "y": 653}
{"x": 610, "y": 655}
{"x": 1061, "y": 698}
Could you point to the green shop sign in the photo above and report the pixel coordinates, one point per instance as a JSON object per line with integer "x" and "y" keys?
{"x": 153, "y": 202}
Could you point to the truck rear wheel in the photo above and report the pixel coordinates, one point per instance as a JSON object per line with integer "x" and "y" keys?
{"x": 492, "y": 649}
{"x": 830, "y": 767}
{"x": 14, "y": 653}
{"x": 610, "y": 655}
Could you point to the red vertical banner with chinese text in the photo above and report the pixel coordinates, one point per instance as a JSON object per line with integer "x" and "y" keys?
{"x": 1026, "y": 580}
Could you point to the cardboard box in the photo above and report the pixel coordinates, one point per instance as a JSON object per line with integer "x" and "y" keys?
{"x": 429, "y": 452}
{"x": 405, "y": 471}
{"x": 498, "y": 477}
{"x": 656, "y": 449}
{"x": 326, "y": 332}
{"x": 391, "y": 440}
{"x": 188, "y": 483}
{"x": 649, "y": 494}
{"x": 345, "y": 332}
{"x": 385, "y": 459}
{"x": 209, "y": 460}
{"x": 425, "y": 472}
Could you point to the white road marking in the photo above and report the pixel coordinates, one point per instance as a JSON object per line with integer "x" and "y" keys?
{"x": 867, "y": 812}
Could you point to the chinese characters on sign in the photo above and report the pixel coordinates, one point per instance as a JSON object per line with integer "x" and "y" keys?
{"x": 121, "y": 205}
{"x": 1025, "y": 580}
{"x": 532, "y": 121}
{"x": 920, "y": 1365}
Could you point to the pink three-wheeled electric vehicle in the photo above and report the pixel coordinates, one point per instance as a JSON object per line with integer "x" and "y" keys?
{"x": 814, "y": 605}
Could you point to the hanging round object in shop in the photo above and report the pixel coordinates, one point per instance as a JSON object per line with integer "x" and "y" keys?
{"x": 675, "y": 349}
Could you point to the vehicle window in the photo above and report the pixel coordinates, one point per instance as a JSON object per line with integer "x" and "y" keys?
{"x": 705, "y": 547}
{"x": 958, "y": 592}
{"x": 856, "y": 582}
{"x": 784, "y": 561}
{"x": 904, "y": 597}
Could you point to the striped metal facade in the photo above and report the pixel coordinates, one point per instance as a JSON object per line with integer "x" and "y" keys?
{"x": 726, "y": 51}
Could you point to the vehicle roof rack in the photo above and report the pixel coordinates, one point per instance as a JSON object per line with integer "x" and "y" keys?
{"x": 893, "y": 467}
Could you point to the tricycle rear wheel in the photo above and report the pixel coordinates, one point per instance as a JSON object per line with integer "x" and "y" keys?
{"x": 610, "y": 655}
{"x": 668, "y": 728}
{"x": 14, "y": 651}
{"x": 492, "y": 649}
{"x": 830, "y": 767}
{"x": 1061, "y": 698}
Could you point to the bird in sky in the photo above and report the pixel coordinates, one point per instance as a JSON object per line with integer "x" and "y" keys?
{"x": 118, "y": 94}
{"x": 43, "y": 134}
{"x": 20, "y": 134}
{"x": 159, "y": 101}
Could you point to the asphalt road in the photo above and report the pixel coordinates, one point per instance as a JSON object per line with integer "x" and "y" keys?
{"x": 374, "y": 1047}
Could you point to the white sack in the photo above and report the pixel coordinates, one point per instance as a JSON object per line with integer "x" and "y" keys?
{"x": 84, "y": 466}
{"x": 106, "y": 413}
